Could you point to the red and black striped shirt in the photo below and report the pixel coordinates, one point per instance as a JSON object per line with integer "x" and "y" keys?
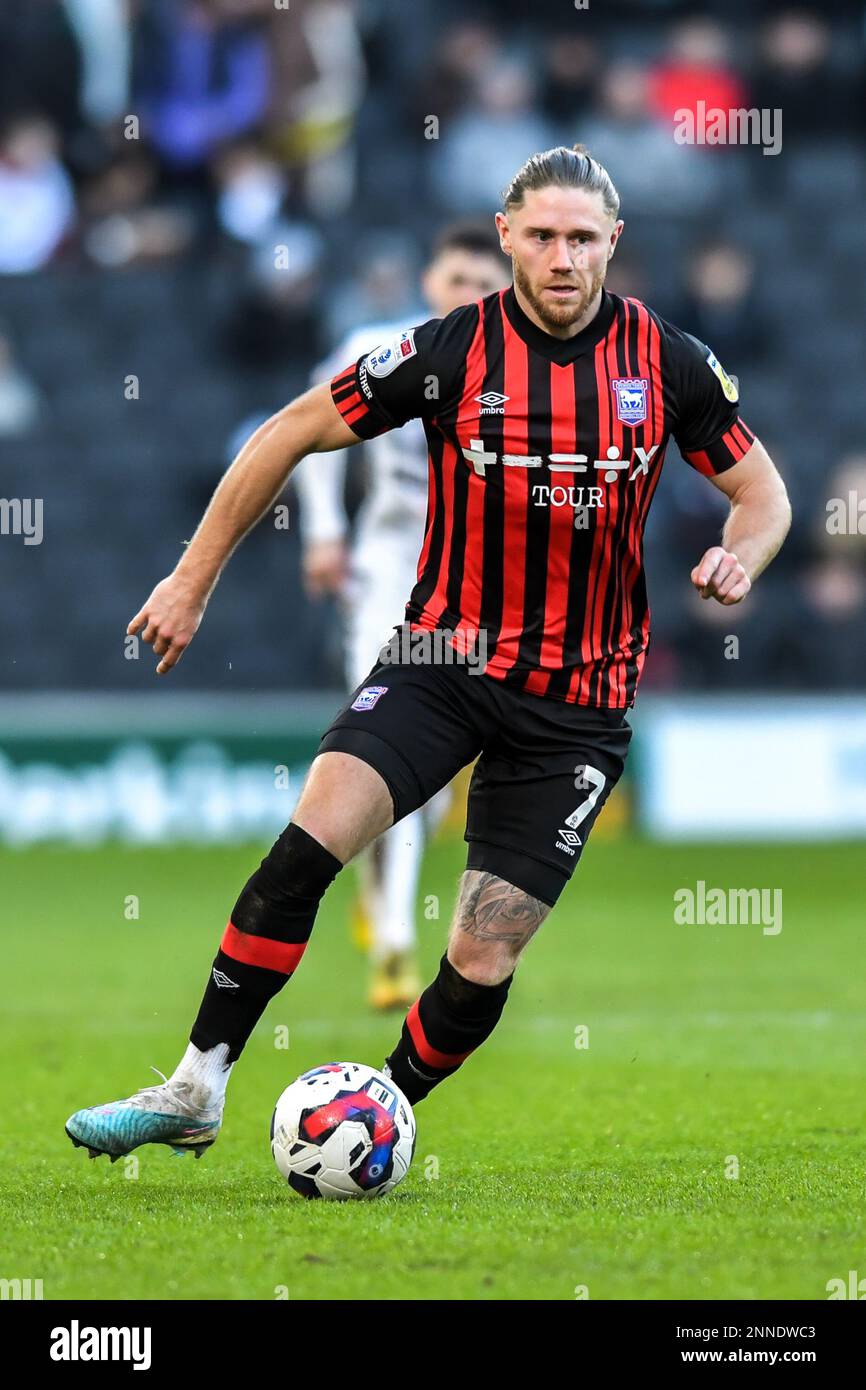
{"x": 544, "y": 454}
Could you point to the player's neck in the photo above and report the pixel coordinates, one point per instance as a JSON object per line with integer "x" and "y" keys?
{"x": 564, "y": 331}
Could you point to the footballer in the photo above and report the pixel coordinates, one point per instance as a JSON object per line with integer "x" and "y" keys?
{"x": 547, "y": 409}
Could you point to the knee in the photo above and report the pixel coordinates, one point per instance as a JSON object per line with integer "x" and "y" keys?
{"x": 345, "y": 804}
{"x": 484, "y": 963}
{"x": 291, "y": 879}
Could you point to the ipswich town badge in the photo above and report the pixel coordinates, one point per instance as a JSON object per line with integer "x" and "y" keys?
{"x": 630, "y": 394}
{"x": 367, "y": 698}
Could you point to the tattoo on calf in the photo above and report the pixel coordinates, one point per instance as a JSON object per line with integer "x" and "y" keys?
{"x": 492, "y": 910}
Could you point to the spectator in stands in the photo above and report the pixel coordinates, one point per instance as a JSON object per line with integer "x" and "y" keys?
{"x": 200, "y": 78}
{"x": 40, "y": 63}
{"x": 103, "y": 31}
{"x": 827, "y": 635}
{"x": 19, "y": 398}
{"x": 319, "y": 79}
{"x": 448, "y": 84}
{"x": 572, "y": 64}
{"x": 35, "y": 194}
{"x": 826, "y": 646}
{"x": 718, "y": 304}
{"x": 706, "y": 657}
{"x": 652, "y": 173}
{"x": 126, "y": 218}
{"x": 804, "y": 630}
{"x": 696, "y": 68}
{"x": 628, "y": 275}
{"x": 818, "y": 96}
{"x": 251, "y": 188}
{"x": 277, "y": 319}
{"x": 480, "y": 149}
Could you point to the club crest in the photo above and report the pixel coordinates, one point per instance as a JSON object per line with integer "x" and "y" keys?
{"x": 367, "y": 698}
{"x": 630, "y": 394}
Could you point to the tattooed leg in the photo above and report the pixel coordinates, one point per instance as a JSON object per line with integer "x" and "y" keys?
{"x": 493, "y": 922}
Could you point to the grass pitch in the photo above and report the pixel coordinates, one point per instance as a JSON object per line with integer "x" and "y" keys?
{"x": 544, "y": 1170}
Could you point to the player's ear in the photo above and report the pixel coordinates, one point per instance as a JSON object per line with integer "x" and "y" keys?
{"x": 615, "y": 236}
{"x": 504, "y": 232}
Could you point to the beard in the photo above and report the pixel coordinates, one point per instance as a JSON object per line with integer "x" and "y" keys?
{"x": 554, "y": 315}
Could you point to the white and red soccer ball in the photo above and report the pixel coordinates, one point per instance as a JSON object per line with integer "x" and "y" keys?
{"x": 343, "y": 1130}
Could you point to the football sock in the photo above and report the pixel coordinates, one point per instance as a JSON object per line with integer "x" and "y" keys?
{"x": 450, "y": 1019}
{"x": 264, "y": 940}
{"x": 207, "y": 1072}
{"x": 401, "y": 848}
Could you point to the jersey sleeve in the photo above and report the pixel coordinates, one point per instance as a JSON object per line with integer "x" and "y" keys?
{"x": 710, "y": 432}
{"x": 391, "y": 384}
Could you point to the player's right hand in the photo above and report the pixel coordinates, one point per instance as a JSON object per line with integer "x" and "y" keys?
{"x": 324, "y": 566}
{"x": 170, "y": 619}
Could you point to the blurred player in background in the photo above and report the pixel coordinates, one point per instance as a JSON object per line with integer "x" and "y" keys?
{"x": 372, "y": 572}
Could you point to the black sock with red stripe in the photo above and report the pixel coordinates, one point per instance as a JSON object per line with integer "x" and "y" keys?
{"x": 451, "y": 1018}
{"x": 265, "y": 939}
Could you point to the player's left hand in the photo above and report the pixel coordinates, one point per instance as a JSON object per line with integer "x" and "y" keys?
{"x": 719, "y": 575}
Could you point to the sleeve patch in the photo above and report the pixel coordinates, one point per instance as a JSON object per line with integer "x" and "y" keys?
{"x": 384, "y": 360}
{"x": 729, "y": 386}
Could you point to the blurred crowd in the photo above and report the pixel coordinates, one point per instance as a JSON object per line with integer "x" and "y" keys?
{"x": 229, "y": 186}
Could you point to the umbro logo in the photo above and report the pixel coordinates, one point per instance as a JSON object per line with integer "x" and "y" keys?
{"x": 492, "y": 403}
{"x": 568, "y": 840}
{"x": 222, "y": 981}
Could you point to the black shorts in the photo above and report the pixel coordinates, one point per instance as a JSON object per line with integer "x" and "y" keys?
{"x": 545, "y": 768}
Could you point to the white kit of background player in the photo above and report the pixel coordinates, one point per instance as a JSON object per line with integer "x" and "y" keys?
{"x": 382, "y": 566}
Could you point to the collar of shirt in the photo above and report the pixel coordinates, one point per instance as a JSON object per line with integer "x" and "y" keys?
{"x": 559, "y": 350}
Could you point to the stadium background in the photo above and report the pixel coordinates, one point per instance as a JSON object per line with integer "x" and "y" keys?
{"x": 163, "y": 293}
{"x": 198, "y": 200}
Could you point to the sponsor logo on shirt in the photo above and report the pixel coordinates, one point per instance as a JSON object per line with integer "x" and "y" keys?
{"x": 492, "y": 403}
{"x": 610, "y": 468}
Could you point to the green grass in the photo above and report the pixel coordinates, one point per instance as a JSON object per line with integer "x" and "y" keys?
{"x": 540, "y": 1168}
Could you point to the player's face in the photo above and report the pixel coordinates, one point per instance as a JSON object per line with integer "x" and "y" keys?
{"x": 458, "y": 277}
{"x": 560, "y": 242}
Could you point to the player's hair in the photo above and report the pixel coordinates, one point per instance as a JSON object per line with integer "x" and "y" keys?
{"x": 562, "y": 168}
{"x": 479, "y": 238}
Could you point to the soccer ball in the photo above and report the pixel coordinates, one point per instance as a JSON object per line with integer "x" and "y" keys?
{"x": 343, "y": 1130}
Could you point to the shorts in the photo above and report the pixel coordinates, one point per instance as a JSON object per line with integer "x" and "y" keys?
{"x": 545, "y": 768}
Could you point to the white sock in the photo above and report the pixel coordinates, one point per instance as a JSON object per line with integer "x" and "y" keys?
{"x": 402, "y": 847}
{"x": 207, "y": 1070}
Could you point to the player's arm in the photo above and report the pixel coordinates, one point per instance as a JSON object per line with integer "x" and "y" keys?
{"x": 715, "y": 439}
{"x": 757, "y": 524}
{"x": 309, "y": 424}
